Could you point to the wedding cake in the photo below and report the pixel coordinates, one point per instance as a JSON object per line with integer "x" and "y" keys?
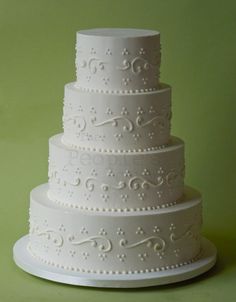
{"x": 115, "y": 203}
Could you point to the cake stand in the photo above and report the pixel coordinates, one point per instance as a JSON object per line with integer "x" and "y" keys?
{"x": 25, "y": 261}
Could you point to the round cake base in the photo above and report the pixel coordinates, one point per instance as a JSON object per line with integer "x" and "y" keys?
{"x": 25, "y": 261}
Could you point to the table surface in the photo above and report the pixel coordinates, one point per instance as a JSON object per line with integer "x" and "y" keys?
{"x": 198, "y": 59}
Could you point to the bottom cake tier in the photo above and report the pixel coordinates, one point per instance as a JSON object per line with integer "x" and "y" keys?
{"x": 114, "y": 243}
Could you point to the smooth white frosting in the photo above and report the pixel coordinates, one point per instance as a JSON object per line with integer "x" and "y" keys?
{"x": 118, "y": 59}
{"x": 124, "y": 122}
{"x": 114, "y": 243}
{"x": 116, "y": 201}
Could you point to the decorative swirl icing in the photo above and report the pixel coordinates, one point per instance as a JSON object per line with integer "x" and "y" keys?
{"x": 75, "y": 183}
{"x": 53, "y": 236}
{"x": 157, "y": 120}
{"x": 76, "y": 121}
{"x": 171, "y": 177}
{"x": 105, "y": 245}
{"x": 114, "y": 122}
{"x": 137, "y": 65}
{"x": 136, "y": 182}
{"x": 89, "y": 183}
{"x": 187, "y": 234}
{"x": 53, "y": 175}
{"x": 94, "y": 64}
{"x": 121, "y": 185}
{"x": 157, "y": 243}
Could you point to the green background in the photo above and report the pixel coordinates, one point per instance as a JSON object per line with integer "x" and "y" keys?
{"x": 37, "y": 52}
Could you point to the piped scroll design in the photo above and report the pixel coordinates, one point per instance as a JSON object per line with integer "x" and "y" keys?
{"x": 121, "y": 185}
{"x": 139, "y": 182}
{"x": 77, "y": 122}
{"x": 160, "y": 121}
{"x": 103, "y": 244}
{"x": 187, "y": 234}
{"x": 157, "y": 243}
{"x": 75, "y": 183}
{"x": 137, "y": 65}
{"x": 53, "y": 175}
{"x": 94, "y": 65}
{"x": 134, "y": 183}
{"x": 51, "y": 235}
{"x": 128, "y": 127}
{"x": 172, "y": 177}
{"x": 90, "y": 185}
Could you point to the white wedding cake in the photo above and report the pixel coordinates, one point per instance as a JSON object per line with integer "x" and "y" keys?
{"x": 115, "y": 203}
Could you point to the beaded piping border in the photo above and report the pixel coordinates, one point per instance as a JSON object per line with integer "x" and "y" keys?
{"x": 105, "y": 272}
{"x": 119, "y": 210}
{"x": 74, "y": 146}
{"x": 107, "y": 91}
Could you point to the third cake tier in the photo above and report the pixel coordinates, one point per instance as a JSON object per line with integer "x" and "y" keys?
{"x": 103, "y": 181}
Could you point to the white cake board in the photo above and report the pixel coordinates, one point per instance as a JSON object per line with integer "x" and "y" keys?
{"x": 29, "y": 264}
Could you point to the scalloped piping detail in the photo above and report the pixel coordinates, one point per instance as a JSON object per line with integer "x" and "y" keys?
{"x": 112, "y": 272}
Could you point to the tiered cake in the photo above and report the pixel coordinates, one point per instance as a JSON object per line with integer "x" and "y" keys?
{"x": 116, "y": 203}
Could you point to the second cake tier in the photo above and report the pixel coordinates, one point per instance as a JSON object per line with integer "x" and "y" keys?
{"x": 115, "y": 122}
{"x": 116, "y": 182}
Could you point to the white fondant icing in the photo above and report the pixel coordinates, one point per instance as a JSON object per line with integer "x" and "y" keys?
{"x": 116, "y": 181}
{"x": 116, "y": 201}
{"x": 116, "y": 122}
{"x": 118, "y": 59}
{"x": 114, "y": 242}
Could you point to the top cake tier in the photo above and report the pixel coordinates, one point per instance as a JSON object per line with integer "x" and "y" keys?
{"x": 118, "y": 60}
